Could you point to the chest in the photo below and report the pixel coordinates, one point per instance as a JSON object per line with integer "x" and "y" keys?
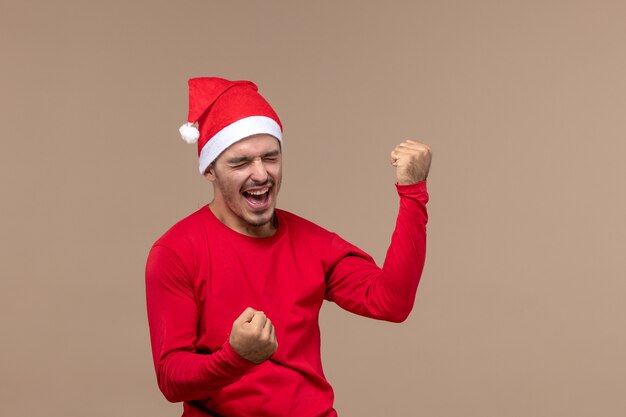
{"x": 286, "y": 280}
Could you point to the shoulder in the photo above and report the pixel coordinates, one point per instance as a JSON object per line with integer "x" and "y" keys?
{"x": 328, "y": 246}
{"x": 175, "y": 253}
{"x": 297, "y": 224}
{"x": 186, "y": 231}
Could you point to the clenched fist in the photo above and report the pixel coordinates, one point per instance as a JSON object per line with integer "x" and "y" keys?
{"x": 412, "y": 161}
{"x": 253, "y": 336}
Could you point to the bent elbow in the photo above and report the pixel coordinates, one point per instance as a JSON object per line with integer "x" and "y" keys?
{"x": 169, "y": 394}
{"x": 169, "y": 387}
{"x": 394, "y": 310}
{"x": 400, "y": 317}
{"x": 171, "y": 398}
{"x": 398, "y": 314}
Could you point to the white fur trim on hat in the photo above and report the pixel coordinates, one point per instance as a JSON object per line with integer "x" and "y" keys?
{"x": 241, "y": 129}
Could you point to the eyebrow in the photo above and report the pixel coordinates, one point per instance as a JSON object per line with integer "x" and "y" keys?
{"x": 239, "y": 159}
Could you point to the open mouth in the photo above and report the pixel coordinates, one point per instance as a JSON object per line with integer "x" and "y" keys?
{"x": 258, "y": 198}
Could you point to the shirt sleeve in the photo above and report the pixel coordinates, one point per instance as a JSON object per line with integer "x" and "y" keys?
{"x": 183, "y": 374}
{"x": 358, "y": 285}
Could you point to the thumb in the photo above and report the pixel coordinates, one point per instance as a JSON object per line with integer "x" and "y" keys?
{"x": 245, "y": 316}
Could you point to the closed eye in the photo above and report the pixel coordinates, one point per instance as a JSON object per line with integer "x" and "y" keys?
{"x": 239, "y": 165}
{"x": 240, "y": 162}
{"x": 272, "y": 156}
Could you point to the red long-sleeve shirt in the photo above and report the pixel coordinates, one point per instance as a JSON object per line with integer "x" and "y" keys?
{"x": 201, "y": 275}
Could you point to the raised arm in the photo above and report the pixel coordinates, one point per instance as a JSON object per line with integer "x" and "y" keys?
{"x": 355, "y": 282}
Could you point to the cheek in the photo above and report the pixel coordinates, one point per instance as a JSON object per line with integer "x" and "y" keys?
{"x": 234, "y": 188}
{"x": 276, "y": 172}
{"x": 230, "y": 189}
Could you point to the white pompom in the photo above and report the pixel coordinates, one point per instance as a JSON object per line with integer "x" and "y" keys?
{"x": 189, "y": 132}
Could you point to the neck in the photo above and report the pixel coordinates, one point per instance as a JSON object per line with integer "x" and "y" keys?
{"x": 239, "y": 225}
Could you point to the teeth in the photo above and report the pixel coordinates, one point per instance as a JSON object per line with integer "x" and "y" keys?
{"x": 259, "y": 192}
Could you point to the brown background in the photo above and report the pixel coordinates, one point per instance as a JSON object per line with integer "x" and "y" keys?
{"x": 521, "y": 308}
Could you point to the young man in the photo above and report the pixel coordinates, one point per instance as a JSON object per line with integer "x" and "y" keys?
{"x": 234, "y": 290}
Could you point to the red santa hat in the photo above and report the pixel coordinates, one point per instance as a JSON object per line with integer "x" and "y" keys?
{"x": 222, "y": 112}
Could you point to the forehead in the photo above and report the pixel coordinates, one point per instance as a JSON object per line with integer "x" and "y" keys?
{"x": 252, "y": 146}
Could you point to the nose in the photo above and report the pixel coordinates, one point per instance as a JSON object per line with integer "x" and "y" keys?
{"x": 259, "y": 173}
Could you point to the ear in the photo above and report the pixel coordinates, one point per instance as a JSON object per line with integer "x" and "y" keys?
{"x": 210, "y": 174}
